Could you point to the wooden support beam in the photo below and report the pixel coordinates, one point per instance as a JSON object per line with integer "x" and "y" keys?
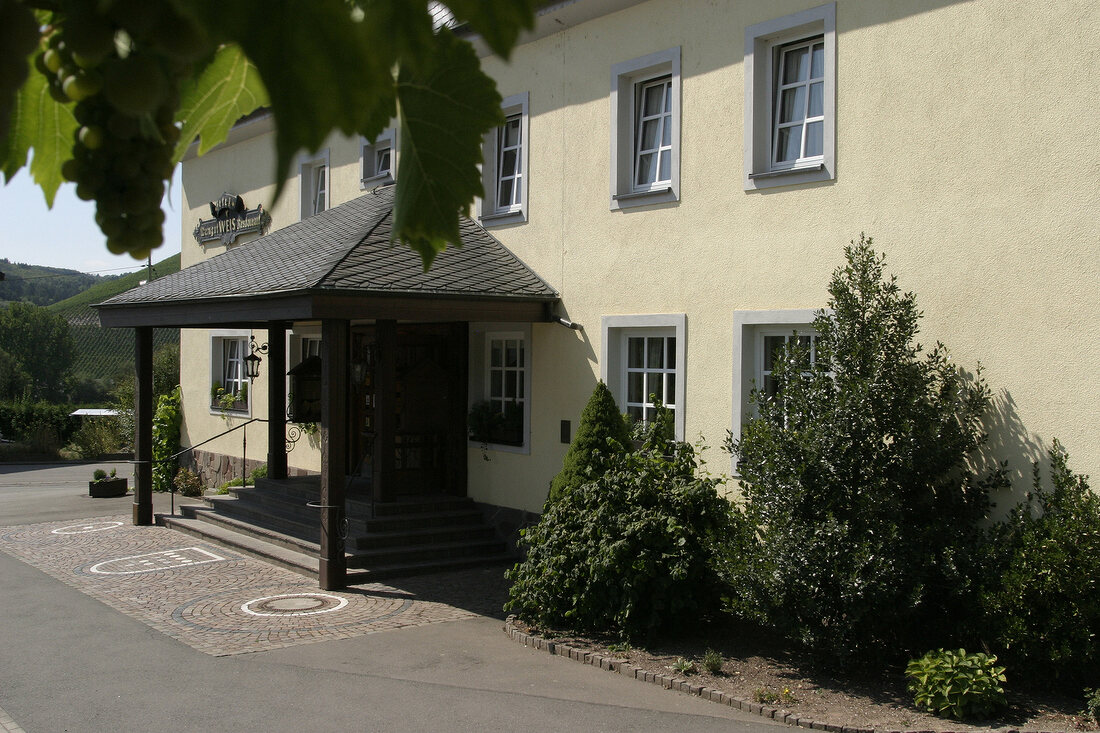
{"x": 385, "y": 409}
{"x": 143, "y": 426}
{"x": 276, "y": 400}
{"x": 332, "y": 570}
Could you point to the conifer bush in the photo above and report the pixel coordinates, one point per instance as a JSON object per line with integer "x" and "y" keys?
{"x": 856, "y": 476}
{"x": 602, "y": 432}
{"x": 636, "y": 549}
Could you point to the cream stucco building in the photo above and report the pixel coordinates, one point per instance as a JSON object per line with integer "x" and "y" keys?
{"x": 683, "y": 178}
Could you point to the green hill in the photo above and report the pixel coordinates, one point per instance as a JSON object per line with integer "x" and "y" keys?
{"x": 43, "y": 285}
{"x": 105, "y": 353}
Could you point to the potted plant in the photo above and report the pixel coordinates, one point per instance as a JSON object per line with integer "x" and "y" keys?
{"x": 104, "y": 485}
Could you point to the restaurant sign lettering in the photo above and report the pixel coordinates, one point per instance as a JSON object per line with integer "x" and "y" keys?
{"x": 231, "y": 219}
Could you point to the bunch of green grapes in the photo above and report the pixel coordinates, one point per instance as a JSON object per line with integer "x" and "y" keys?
{"x": 123, "y": 68}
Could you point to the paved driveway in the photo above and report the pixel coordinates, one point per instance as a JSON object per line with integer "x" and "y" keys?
{"x": 110, "y": 627}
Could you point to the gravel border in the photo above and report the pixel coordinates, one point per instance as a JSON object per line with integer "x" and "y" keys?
{"x": 679, "y": 684}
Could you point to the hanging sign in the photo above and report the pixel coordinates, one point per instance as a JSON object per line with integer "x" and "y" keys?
{"x": 231, "y": 219}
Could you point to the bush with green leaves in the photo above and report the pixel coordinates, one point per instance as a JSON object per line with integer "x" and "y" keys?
{"x": 638, "y": 548}
{"x": 166, "y": 439}
{"x": 97, "y": 437}
{"x": 188, "y": 483}
{"x": 602, "y": 433}
{"x": 1042, "y": 602}
{"x": 1092, "y": 704}
{"x": 956, "y": 684}
{"x": 857, "y": 476}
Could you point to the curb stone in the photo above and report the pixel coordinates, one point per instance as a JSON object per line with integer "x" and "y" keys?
{"x": 620, "y": 666}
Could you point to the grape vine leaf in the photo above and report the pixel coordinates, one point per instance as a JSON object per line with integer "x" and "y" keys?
{"x": 446, "y": 106}
{"x": 227, "y": 89}
{"x": 42, "y": 124}
{"x": 499, "y": 22}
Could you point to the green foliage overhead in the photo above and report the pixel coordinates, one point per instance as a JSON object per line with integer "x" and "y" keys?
{"x": 857, "y": 475}
{"x": 1042, "y": 604}
{"x": 956, "y": 684}
{"x": 601, "y": 434}
{"x": 636, "y": 550}
{"x": 320, "y": 67}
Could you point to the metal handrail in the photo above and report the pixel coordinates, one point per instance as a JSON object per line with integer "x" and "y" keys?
{"x": 174, "y": 456}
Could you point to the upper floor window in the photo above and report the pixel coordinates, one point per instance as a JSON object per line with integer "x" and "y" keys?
{"x": 504, "y": 172}
{"x": 378, "y": 159}
{"x": 790, "y": 99}
{"x": 314, "y": 183}
{"x": 645, "y": 130}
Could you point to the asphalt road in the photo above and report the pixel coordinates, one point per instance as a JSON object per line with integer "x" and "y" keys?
{"x": 70, "y": 663}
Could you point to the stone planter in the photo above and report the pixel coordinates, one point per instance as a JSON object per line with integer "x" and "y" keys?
{"x": 107, "y": 487}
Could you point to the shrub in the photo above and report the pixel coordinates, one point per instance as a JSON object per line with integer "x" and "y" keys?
{"x": 1042, "y": 601}
{"x": 166, "y": 439}
{"x": 601, "y": 434}
{"x": 97, "y": 437}
{"x": 99, "y": 474}
{"x": 636, "y": 549}
{"x": 1092, "y": 704}
{"x": 188, "y": 483}
{"x": 856, "y": 474}
{"x": 957, "y": 684}
{"x": 41, "y": 423}
{"x": 712, "y": 662}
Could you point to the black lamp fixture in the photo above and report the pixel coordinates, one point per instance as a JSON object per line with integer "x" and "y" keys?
{"x": 252, "y": 361}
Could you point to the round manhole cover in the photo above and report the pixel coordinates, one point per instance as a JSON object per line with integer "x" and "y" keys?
{"x": 294, "y": 604}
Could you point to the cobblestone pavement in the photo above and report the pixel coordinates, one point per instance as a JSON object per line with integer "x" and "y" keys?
{"x": 223, "y": 603}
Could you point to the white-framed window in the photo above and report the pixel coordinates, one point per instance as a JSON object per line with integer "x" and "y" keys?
{"x": 769, "y": 346}
{"x": 313, "y": 179}
{"x": 500, "y": 382}
{"x": 504, "y": 171}
{"x": 756, "y": 336}
{"x": 227, "y": 371}
{"x": 790, "y": 99}
{"x": 645, "y": 130}
{"x": 642, "y": 359}
{"x": 377, "y": 159}
{"x": 311, "y": 346}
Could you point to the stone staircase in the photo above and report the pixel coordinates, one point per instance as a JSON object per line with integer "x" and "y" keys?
{"x": 417, "y": 535}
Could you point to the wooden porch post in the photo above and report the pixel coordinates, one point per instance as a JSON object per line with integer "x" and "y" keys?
{"x": 276, "y": 400}
{"x": 385, "y": 413}
{"x": 143, "y": 426}
{"x": 332, "y": 570}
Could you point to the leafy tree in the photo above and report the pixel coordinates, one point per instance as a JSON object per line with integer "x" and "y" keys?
{"x": 39, "y": 352}
{"x": 601, "y": 433}
{"x": 857, "y": 476}
{"x": 1041, "y": 607}
{"x": 635, "y": 549}
{"x": 167, "y": 421}
{"x": 135, "y": 80}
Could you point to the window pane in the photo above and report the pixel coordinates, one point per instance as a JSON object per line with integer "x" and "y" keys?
{"x": 508, "y": 163}
{"x": 650, "y": 130}
{"x": 817, "y": 97}
{"x": 654, "y": 100}
{"x": 671, "y": 351}
{"x": 668, "y": 97}
{"x": 383, "y": 161}
{"x": 511, "y": 133}
{"x": 794, "y": 105}
{"x": 511, "y": 353}
{"x": 635, "y": 391}
{"x": 636, "y": 348}
{"x": 646, "y": 168}
{"x": 510, "y": 386}
{"x": 517, "y": 192}
{"x": 505, "y": 198}
{"x": 666, "y": 132}
{"x": 655, "y": 353}
{"x": 770, "y": 388}
{"x": 522, "y": 356}
{"x": 496, "y": 384}
{"x": 795, "y": 64}
{"x": 496, "y": 354}
{"x": 670, "y": 398}
{"x": 790, "y": 141}
{"x": 817, "y": 66}
{"x": 635, "y": 413}
{"x": 521, "y": 385}
{"x": 656, "y": 390}
{"x": 664, "y": 173}
{"x": 814, "y": 133}
{"x": 772, "y": 344}
{"x": 650, "y": 414}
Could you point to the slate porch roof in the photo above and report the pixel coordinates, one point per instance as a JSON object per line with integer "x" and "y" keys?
{"x": 343, "y": 256}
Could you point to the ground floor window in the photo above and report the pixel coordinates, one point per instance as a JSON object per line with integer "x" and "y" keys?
{"x": 500, "y": 386}
{"x": 229, "y": 381}
{"x": 643, "y": 364}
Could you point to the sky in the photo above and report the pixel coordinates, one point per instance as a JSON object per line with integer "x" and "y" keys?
{"x": 67, "y": 235}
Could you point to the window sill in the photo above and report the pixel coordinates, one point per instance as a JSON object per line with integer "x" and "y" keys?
{"x": 788, "y": 171}
{"x": 630, "y": 199}
{"x": 383, "y": 180}
{"x": 812, "y": 173}
{"x": 524, "y": 449}
{"x": 503, "y": 217}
